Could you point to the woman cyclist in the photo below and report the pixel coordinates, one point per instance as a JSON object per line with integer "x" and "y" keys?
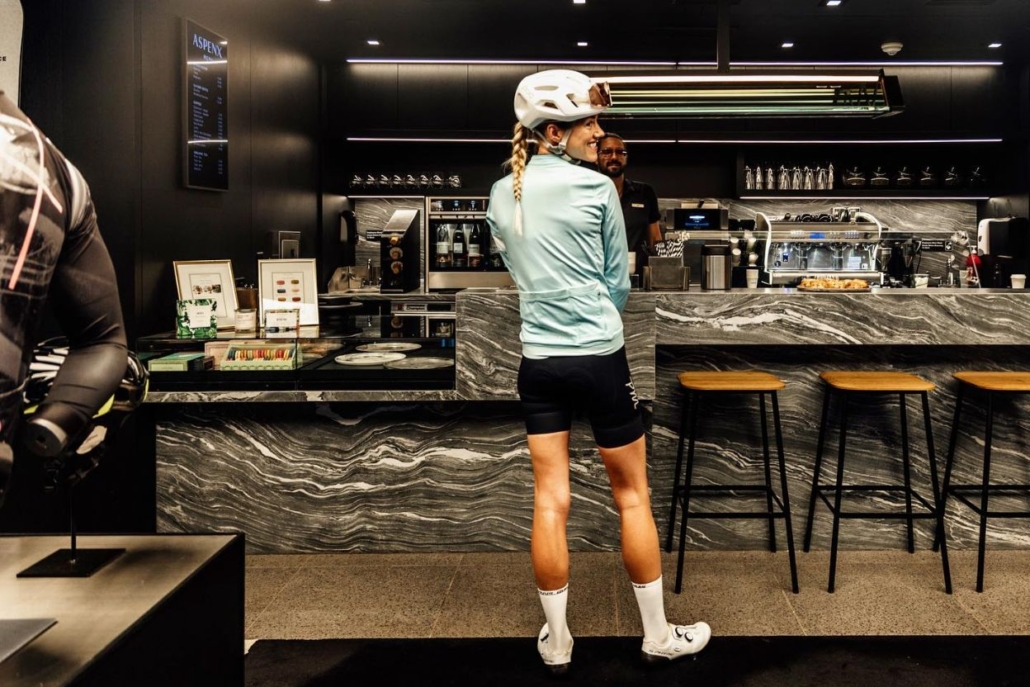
{"x": 560, "y": 230}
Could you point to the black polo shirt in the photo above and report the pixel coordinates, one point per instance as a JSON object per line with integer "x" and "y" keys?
{"x": 639, "y": 209}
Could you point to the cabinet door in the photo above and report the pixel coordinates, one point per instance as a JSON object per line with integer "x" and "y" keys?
{"x": 363, "y": 98}
{"x": 432, "y": 97}
{"x": 491, "y": 94}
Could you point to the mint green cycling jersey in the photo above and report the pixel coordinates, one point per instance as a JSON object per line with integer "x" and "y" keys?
{"x": 570, "y": 264}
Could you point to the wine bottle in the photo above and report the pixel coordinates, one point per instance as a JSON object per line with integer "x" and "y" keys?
{"x": 459, "y": 250}
{"x": 443, "y": 246}
{"x": 475, "y": 247}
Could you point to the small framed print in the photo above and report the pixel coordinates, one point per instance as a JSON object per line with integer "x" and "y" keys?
{"x": 211, "y": 279}
{"x": 289, "y": 285}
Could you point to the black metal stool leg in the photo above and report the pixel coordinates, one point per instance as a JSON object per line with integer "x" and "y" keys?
{"x": 946, "y": 485}
{"x": 983, "y": 497}
{"x": 676, "y": 478}
{"x": 818, "y": 466}
{"x": 938, "y": 504}
{"x": 786, "y": 497}
{"x": 837, "y": 491}
{"x": 686, "y": 490}
{"x": 906, "y": 467}
{"x": 768, "y": 474}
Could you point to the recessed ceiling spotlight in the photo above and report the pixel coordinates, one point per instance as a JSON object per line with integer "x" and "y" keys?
{"x": 787, "y": 44}
{"x": 582, "y": 44}
{"x": 994, "y": 45}
{"x": 579, "y": 2}
{"x": 834, "y": 3}
{"x": 372, "y": 41}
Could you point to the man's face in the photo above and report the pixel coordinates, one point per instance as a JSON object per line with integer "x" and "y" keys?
{"x": 611, "y": 157}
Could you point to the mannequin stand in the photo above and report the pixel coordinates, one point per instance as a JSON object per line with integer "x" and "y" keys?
{"x": 73, "y": 562}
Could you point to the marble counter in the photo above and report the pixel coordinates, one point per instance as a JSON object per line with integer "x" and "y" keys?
{"x": 399, "y": 471}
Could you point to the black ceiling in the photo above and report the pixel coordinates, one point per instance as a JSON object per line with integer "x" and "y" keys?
{"x": 662, "y": 30}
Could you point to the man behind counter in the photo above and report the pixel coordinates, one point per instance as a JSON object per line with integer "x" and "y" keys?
{"x": 639, "y": 203}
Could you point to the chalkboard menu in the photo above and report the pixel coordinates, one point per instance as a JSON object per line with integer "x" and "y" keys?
{"x": 206, "y": 154}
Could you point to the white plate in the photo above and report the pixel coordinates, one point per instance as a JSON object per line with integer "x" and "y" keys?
{"x": 420, "y": 364}
{"x": 368, "y": 358}
{"x": 389, "y": 346}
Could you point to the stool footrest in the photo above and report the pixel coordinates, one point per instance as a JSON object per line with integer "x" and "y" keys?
{"x": 724, "y": 491}
{"x": 931, "y": 512}
{"x": 960, "y": 491}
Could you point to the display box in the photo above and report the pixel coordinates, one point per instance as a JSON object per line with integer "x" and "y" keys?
{"x": 261, "y": 355}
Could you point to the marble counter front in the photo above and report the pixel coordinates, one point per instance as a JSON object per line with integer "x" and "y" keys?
{"x": 392, "y": 471}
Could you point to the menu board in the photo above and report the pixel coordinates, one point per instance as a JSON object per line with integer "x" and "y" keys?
{"x": 206, "y": 154}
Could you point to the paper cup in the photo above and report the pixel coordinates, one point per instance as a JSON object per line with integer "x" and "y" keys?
{"x": 1018, "y": 281}
{"x": 752, "y": 278}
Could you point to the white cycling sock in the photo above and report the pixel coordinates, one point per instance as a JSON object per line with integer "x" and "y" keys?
{"x": 555, "y": 603}
{"x": 652, "y": 610}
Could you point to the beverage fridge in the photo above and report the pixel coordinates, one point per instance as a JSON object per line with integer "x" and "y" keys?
{"x": 460, "y": 252}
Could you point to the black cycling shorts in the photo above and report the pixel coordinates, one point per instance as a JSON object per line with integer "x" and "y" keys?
{"x": 551, "y": 389}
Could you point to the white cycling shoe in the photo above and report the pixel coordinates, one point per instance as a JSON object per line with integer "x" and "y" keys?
{"x": 683, "y": 640}
{"x": 556, "y": 661}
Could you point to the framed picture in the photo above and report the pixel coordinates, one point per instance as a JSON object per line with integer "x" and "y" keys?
{"x": 288, "y": 284}
{"x": 209, "y": 279}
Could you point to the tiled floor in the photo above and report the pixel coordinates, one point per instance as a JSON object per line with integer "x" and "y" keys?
{"x": 737, "y": 593}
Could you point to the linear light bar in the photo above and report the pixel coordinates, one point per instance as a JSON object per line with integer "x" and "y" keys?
{"x": 648, "y": 63}
{"x": 911, "y": 63}
{"x": 369, "y": 139}
{"x": 909, "y": 141}
{"x": 691, "y": 141}
{"x": 207, "y": 141}
{"x": 599, "y": 63}
{"x": 865, "y": 195}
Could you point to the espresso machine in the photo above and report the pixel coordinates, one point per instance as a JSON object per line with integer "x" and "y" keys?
{"x": 840, "y": 245}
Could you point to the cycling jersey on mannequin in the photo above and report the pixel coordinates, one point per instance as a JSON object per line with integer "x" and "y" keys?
{"x": 50, "y": 249}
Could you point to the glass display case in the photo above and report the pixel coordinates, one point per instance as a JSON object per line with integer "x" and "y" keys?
{"x": 820, "y": 248}
{"x": 368, "y": 353}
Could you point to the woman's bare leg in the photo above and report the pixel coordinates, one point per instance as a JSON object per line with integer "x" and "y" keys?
{"x": 627, "y": 474}
{"x": 551, "y": 499}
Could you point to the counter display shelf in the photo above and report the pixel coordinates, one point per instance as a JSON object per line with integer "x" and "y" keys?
{"x": 254, "y": 361}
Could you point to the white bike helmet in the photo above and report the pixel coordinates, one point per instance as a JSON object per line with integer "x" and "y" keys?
{"x": 558, "y": 95}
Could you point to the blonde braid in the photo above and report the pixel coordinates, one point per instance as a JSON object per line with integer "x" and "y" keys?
{"x": 520, "y": 143}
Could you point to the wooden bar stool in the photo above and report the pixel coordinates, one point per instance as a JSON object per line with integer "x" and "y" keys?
{"x": 847, "y": 384}
{"x": 990, "y": 383}
{"x": 696, "y": 385}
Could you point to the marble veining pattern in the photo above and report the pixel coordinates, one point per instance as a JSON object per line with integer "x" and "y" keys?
{"x": 367, "y": 478}
{"x": 959, "y": 318}
{"x": 489, "y": 350}
{"x": 907, "y": 215}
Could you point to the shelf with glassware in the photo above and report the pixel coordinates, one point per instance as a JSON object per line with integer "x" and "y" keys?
{"x": 886, "y": 171}
{"x": 389, "y": 351}
{"x": 461, "y": 252}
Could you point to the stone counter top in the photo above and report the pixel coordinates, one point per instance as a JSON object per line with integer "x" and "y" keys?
{"x": 488, "y": 350}
{"x": 887, "y": 317}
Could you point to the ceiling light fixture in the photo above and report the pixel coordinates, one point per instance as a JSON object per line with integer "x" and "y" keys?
{"x": 579, "y": 2}
{"x": 834, "y": 3}
{"x": 593, "y": 63}
{"x": 372, "y": 41}
{"x": 756, "y": 94}
{"x": 582, "y": 44}
{"x": 994, "y": 45}
{"x": 787, "y": 44}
